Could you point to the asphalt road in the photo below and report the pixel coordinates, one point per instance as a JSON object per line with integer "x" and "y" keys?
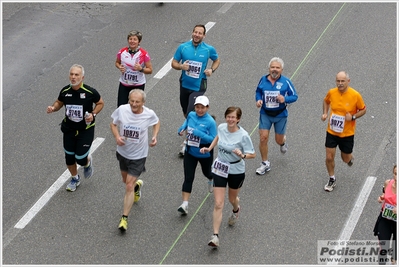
{"x": 284, "y": 213}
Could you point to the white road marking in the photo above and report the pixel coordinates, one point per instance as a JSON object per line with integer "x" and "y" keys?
{"x": 51, "y": 191}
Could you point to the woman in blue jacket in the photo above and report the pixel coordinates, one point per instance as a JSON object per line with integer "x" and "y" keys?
{"x": 201, "y": 129}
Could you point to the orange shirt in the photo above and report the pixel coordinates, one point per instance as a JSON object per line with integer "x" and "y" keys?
{"x": 340, "y": 103}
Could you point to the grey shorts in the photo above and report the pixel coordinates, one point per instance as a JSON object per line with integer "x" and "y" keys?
{"x": 134, "y": 167}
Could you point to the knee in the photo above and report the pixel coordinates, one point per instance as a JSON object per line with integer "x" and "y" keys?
{"x": 130, "y": 186}
{"x": 218, "y": 205}
{"x": 70, "y": 159}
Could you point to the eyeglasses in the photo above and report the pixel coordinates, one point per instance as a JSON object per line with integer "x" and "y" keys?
{"x": 135, "y": 33}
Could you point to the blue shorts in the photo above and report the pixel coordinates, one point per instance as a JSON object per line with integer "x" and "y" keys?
{"x": 266, "y": 122}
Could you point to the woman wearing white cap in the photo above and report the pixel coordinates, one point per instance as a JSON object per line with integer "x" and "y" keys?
{"x": 201, "y": 130}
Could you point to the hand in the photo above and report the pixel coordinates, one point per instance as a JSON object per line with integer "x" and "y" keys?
{"x": 280, "y": 98}
{"x": 50, "y": 109}
{"x": 153, "y": 141}
{"x": 204, "y": 150}
{"x": 120, "y": 141}
{"x": 348, "y": 116}
{"x": 381, "y": 198}
{"x": 259, "y": 103}
{"x": 137, "y": 67}
{"x": 185, "y": 65}
{"x": 208, "y": 72}
{"x": 324, "y": 117}
{"x": 238, "y": 152}
{"x": 122, "y": 68}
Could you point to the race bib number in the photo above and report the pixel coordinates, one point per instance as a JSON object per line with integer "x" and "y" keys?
{"x": 130, "y": 76}
{"x": 271, "y": 99}
{"x": 74, "y": 112}
{"x": 221, "y": 168}
{"x": 388, "y": 213}
{"x": 337, "y": 123}
{"x": 192, "y": 140}
{"x": 131, "y": 133}
{"x": 194, "y": 69}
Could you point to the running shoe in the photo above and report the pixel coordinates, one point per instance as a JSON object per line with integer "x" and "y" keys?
{"x": 284, "y": 147}
{"x": 183, "y": 149}
{"x": 183, "y": 209}
{"x": 264, "y": 167}
{"x": 123, "y": 224}
{"x": 214, "y": 242}
{"x": 88, "y": 171}
{"x": 137, "y": 193}
{"x": 73, "y": 184}
{"x": 350, "y": 163}
{"x": 330, "y": 185}
{"x": 234, "y": 216}
{"x": 210, "y": 185}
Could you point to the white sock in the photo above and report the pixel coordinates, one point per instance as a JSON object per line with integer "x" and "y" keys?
{"x": 185, "y": 203}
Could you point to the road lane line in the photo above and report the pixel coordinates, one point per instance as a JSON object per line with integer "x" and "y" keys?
{"x": 51, "y": 191}
{"x": 354, "y": 216}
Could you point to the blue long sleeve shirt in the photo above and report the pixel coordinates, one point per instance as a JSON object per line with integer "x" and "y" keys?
{"x": 268, "y": 93}
{"x": 201, "y": 130}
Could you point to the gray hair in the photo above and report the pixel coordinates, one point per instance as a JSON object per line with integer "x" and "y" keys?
{"x": 277, "y": 59}
{"x": 143, "y": 94}
{"x": 346, "y": 74}
{"x": 138, "y": 34}
{"x": 78, "y": 66}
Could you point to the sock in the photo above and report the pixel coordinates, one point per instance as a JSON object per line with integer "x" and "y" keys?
{"x": 332, "y": 177}
{"x": 283, "y": 144}
{"x": 185, "y": 203}
{"x": 124, "y": 216}
{"x": 76, "y": 177}
{"x": 216, "y": 235}
{"x": 136, "y": 188}
{"x": 266, "y": 162}
{"x": 235, "y": 211}
{"x": 88, "y": 164}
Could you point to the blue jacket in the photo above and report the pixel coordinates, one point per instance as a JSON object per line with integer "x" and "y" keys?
{"x": 203, "y": 127}
{"x": 266, "y": 92}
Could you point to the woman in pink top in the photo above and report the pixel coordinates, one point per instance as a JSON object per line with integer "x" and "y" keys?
{"x": 134, "y": 63}
{"x": 385, "y": 226}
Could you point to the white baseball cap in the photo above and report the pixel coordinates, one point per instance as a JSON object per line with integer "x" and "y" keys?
{"x": 203, "y": 100}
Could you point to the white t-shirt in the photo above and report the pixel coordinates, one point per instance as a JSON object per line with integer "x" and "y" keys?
{"x": 134, "y": 129}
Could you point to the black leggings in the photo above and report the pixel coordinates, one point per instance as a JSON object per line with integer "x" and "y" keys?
{"x": 386, "y": 231}
{"x": 77, "y": 146}
{"x": 190, "y": 164}
{"x": 123, "y": 93}
{"x": 187, "y": 96}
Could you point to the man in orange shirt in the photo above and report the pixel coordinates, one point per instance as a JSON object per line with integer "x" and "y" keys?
{"x": 346, "y": 105}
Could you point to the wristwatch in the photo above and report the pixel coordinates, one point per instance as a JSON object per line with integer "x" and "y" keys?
{"x": 353, "y": 117}
{"x": 142, "y": 69}
{"x": 94, "y": 114}
{"x": 213, "y": 70}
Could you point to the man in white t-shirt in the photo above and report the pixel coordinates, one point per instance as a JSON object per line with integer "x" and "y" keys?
{"x": 130, "y": 123}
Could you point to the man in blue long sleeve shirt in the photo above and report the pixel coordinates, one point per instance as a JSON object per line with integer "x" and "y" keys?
{"x": 273, "y": 93}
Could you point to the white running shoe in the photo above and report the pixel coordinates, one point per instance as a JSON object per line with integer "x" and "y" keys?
{"x": 264, "y": 167}
{"x": 214, "y": 242}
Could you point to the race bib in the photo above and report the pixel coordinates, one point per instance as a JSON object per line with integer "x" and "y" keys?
{"x": 388, "y": 213}
{"x": 192, "y": 140}
{"x": 194, "y": 69}
{"x": 131, "y": 133}
{"x": 221, "y": 168}
{"x": 337, "y": 123}
{"x": 271, "y": 99}
{"x": 74, "y": 112}
{"x": 130, "y": 76}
